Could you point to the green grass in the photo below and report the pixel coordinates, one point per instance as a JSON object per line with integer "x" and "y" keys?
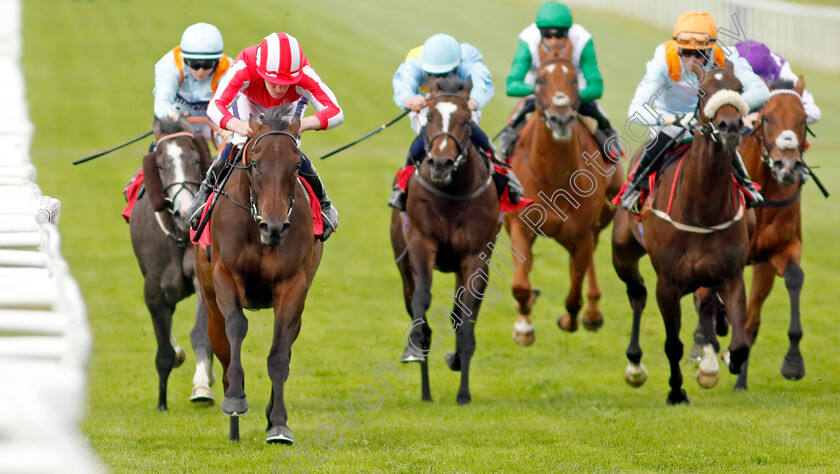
{"x": 560, "y": 405}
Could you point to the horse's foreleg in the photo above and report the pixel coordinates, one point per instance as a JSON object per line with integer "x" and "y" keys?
{"x": 762, "y": 283}
{"x": 288, "y": 306}
{"x": 734, "y": 296}
{"x": 580, "y": 261}
{"x": 165, "y": 359}
{"x": 626, "y": 255}
{"x": 793, "y": 366}
{"x": 200, "y": 339}
{"x": 236, "y": 327}
{"x": 473, "y": 278}
{"x": 418, "y": 334}
{"x": 708, "y": 372}
{"x": 593, "y": 318}
{"x": 668, "y": 298}
{"x": 522, "y": 238}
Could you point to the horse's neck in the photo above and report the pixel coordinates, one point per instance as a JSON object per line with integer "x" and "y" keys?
{"x": 561, "y": 157}
{"x": 705, "y": 184}
{"x": 469, "y": 176}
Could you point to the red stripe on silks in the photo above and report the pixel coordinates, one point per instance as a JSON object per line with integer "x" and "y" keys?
{"x": 403, "y": 176}
{"x": 506, "y": 206}
{"x": 314, "y": 204}
{"x": 132, "y": 191}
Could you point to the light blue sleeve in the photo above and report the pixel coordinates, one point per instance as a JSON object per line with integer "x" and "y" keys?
{"x": 472, "y": 66}
{"x": 656, "y": 76}
{"x": 407, "y": 81}
{"x": 167, "y": 82}
{"x": 755, "y": 92}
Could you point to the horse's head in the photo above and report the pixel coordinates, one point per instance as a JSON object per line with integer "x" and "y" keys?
{"x": 272, "y": 160}
{"x": 557, "y": 95}
{"x": 721, "y": 108}
{"x": 780, "y": 131}
{"x": 173, "y": 171}
{"x": 448, "y": 128}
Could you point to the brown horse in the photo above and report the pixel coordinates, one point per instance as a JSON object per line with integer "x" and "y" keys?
{"x": 159, "y": 237}
{"x": 263, "y": 255}
{"x": 452, "y": 215}
{"x": 560, "y": 167}
{"x": 703, "y": 241}
{"x": 773, "y": 156}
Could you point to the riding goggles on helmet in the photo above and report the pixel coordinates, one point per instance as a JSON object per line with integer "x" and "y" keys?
{"x": 688, "y": 39}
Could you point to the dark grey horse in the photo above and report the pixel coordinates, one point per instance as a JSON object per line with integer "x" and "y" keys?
{"x": 160, "y": 237}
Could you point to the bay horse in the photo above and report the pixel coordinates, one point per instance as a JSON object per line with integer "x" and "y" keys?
{"x": 554, "y": 159}
{"x": 773, "y": 154}
{"x": 452, "y": 214}
{"x": 702, "y": 242}
{"x": 159, "y": 235}
{"x": 263, "y": 254}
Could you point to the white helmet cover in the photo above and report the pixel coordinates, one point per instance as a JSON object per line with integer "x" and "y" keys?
{"x": 202, "y": 41}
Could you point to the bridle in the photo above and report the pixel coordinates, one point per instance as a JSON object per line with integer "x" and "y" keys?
{"x": 462, "y": 145}
{"x": 249, "y": 151}
{"x": 761, "y": 140}
{"x": 182, "y": 185}
{"x": 543, "y": 107}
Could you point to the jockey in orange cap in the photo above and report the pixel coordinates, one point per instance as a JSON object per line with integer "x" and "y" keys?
{"x": 675, "y": 92}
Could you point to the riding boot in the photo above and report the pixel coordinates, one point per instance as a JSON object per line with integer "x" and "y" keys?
{"x": 752, "y": 196}
{"x": 328, "y": 211}
{"x": 510, "y": 134}
{"x": 612, "y": 150}
{"x": 206, "y": 187}
{"x": 647, "y": 164}
{"x": 510, "y": 182}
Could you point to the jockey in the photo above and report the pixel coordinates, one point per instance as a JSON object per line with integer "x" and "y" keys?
{"x": 675, "y": 93}
{"x": 771, "y": 67}
{"x": 442, "y": 55}
{"x": 553, "y": 30}
{"x": 272, "y": 73}
{"x": 187, "y": 76}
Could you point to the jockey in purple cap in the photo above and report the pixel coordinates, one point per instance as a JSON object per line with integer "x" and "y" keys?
{"x": 772, "y": 68}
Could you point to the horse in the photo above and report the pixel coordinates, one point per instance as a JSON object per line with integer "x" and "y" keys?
{"x": 773, "y": 154}
{"x": 159, "y": 235}
{"x": 452, "y": 215}
{"x": 553, "y": 159}
{"x": 263, "y": 254}
{"x": 705, "y": 243}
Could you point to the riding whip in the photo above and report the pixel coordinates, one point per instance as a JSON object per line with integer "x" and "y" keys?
{"x": 97, "y": 155}
{"x": 816, "y": 180}
{"x": 383, "y": 127}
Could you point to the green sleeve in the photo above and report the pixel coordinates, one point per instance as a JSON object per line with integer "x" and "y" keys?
{"x": 589, "y": 68}
{"x": 516, "y": 86}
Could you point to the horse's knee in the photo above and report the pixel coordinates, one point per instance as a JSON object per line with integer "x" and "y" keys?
{"x": 794, "y": 277}
{"x": 674, "y": 349}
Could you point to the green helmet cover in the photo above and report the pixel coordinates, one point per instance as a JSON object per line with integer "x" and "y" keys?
{"x": 554, "y": 15}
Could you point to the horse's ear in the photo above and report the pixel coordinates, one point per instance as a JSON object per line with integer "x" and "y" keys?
{"x": 696, "y": 68}
{"x": 156, "y": 127}
{"x": 431, "y": 82}
{"x": 468, "y": 86}
{"x": 294, "y": 126}
{"x": 254, "y": 122}
{"x": 203, "y": 152}
{"x": 184, "y": 123}
{"x": 729, "y": 65}
{"x": 800, "y": 85}
{"x": 153, "y": 183}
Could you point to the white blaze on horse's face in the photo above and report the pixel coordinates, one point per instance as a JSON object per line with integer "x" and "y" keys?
{"x": 787, "y": 140}
{"x": 446, "y": 110}
{"x": 175, "y": 152}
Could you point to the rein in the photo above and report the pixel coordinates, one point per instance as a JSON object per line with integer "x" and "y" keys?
{"x": 453, "y": 197}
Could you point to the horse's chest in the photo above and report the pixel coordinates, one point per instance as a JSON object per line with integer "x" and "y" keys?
{"x": 705, "y": 263}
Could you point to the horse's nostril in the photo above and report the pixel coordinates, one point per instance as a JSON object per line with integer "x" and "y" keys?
{"x": 264, "y": 229}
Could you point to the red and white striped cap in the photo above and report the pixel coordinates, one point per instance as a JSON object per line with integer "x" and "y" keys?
{"x": 280, "y": 59}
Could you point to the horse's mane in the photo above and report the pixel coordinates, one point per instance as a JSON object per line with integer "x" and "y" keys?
{"x": 451, "y": 83}
{"x": 781, "y": 84}
{"x": 276, "y": 117}
{"x": 169, "y": 126}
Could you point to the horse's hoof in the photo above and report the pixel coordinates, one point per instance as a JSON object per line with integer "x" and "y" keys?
{"x": 707, "y": 374}
{"x": 739, "y": 387}
{"x": 202, "y": 395}
{"x": 235, "y": 406}
{"x": 567, "y": 323}
{"x": 411, "y": 354}
{"x": 464, "y": 399}
{"x": 593, "y": 320}
{"x": 180, "y": 356}
{"x": 793, "y": 367}
{"x": 162, "y": 408}
{"x": 724, "y": 356}
{"x": 280, "y": 434}
{"x": 635, "y": 375}
{"x": 523, "y": 332}
{"x": 705, "y": 379}
{"x": 737, "y": 358}
{"x": 453, "y": 361}
{"x": 676, "y": 398}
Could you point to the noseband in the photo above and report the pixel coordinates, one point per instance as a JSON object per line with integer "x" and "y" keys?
{"x": 462, "y": 145}
{"x": 255, "y": 213}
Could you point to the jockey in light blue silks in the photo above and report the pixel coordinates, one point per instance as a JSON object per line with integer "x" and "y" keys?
{"x": 675, "y": 89}
{"x": 442, "y": 55}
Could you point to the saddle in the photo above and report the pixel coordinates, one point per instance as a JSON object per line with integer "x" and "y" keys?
{"x": 671, "y": 156}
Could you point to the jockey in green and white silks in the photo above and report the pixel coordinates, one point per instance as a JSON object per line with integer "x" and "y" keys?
{"x": 554, "y": 30}
{"x": 673, "y": 92}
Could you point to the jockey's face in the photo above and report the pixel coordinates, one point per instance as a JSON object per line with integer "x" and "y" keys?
{"x": 276, "y": 91}
{"x": 554, "y": 39}
{"x": 201, "y": 69}
{"x": 700, "y": 56}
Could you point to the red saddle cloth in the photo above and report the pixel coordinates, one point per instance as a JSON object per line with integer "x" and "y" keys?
{"x": 132, "y": 192}
{"x": 314, "y": 204}
{"x": 505, "y": 205}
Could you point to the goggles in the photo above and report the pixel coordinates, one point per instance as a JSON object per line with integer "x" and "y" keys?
{"x": 559, "y": 33}
{"x": 201, "y": 64}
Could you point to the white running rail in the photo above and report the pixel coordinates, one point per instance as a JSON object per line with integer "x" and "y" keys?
{"x": 806, "y": 35}
{"x": 45, "y": 339}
